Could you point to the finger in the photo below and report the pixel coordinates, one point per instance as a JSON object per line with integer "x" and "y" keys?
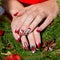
{"x": 37, "y": 20}
{"x": 32, "y": 42}
{"x": 16, "y": 36}
{"x": 25, "y": 43}
{"x": 20, "y": 21}
{"x": 48, "y": 20}
{"x": 28, "y": 21}
{"x": 37, "y": 39}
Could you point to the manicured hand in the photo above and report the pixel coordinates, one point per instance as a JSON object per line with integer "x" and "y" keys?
{"x": 35, "y": 14}
{"x": 34, "y": 41}
{"x": 34, "y": 37}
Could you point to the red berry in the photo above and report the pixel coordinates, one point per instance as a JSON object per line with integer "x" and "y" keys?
{"x": 16, "y": 57}
{"x": 13, "y": 57}
{"x": 9, "y": 57}
{"x": 1, "y": 32}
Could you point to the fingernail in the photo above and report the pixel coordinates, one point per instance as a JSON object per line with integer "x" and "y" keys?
{"x": 26, "y": 46}
{"x": 17, "y": 31}
{"x": 33, "y": 49}
{"x": 18, "y": 40}
{"x": 38, "y": 30}
{"x": 28, "y": 31}
{"x": 16, "y": 14}
{"x": 39, "y": 46}
{"x": 21, "y": 33}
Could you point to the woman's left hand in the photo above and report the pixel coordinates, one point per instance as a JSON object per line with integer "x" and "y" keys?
{"x": 36, "y": 14}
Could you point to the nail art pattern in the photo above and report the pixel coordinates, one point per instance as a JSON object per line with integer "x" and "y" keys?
{"x": 28, "y": 31}
{"x": 33, "y": 49}
{"x": 26, "y": 46}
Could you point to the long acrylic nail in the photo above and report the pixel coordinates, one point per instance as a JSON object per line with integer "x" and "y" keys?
{"x": 16, "y": 14}
{"x": 33, "y": 49}
{"x": 39, "y": 46}
{"x": 28, "y": 31}
{"x": 26, "y": 46}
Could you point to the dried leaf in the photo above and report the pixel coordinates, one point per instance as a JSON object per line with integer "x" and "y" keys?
{"x": 44, "y": 44}
{"x": 53, "y": 45}
{"x": 46, "y": 49}
{"x": 58, "y": 54}
{"x": 49, "y": 45}
{"x": 50, "y": 49}
{"x": 9, "y": 46}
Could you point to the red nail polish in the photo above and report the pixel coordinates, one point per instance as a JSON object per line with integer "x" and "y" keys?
{"x": 20, "y": 34}
{"x": 17, "y": 31}
{"x": 33, "y": 49}
{"x": 16, "y": 13}
{"x": 18, "y": 40}
{"x": 39, "y": 46}
{"x": 38, "y": 30}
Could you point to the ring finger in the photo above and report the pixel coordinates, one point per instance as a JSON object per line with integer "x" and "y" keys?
{"x": 32, "y": 42}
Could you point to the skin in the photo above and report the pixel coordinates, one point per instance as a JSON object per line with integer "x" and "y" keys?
{"x": 30, "y": 17}
{"x": 12, "y": 6}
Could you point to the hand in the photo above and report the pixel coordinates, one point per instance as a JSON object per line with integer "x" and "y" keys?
{"x": 35, "y": 14}
{"x": 34, "y": 41}
{"x": 34, "y": 37}
{"x": 12, "y": 6}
